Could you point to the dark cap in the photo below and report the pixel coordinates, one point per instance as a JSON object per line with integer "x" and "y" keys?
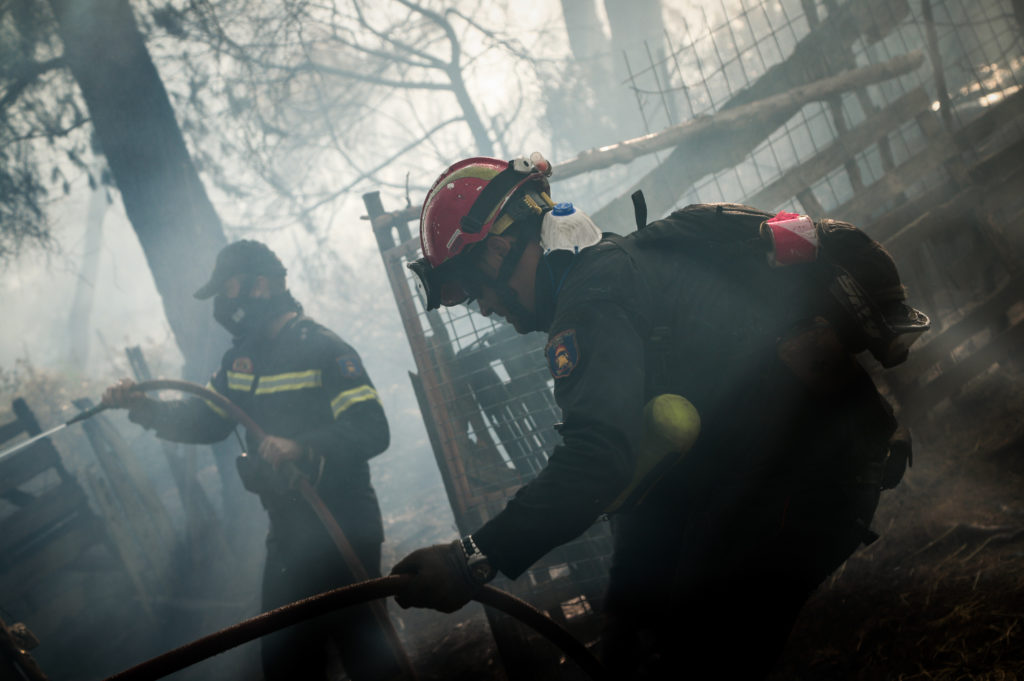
{"x": 241, "y": 257}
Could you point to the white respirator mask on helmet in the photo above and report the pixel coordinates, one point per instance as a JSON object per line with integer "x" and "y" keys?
{"x": 564, "y": 228}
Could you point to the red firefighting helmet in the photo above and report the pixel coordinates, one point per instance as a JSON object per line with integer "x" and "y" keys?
{"x": 464, "y": 206}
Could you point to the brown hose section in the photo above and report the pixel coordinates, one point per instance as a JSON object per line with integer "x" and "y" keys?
{"x": 224, "y": 403}
{"x": 354, "y": 594}
{"x": 299, "y": 482}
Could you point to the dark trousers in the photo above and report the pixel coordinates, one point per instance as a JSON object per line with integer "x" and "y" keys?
{"x": 713, "y": 591}
{"x": 304, "y": 563}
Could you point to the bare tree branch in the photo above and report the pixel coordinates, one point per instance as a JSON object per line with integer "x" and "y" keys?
{"x": 383, "y": 164}
{"x": 355, "y": 75}
{"x": 26, "y": 74}
{"x": 399, "y": 45}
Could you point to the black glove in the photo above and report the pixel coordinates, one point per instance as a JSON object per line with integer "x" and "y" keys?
{"x": 259, "y": 477}
{"x": 441, "y": 578}
{"x": 144, "y": 412}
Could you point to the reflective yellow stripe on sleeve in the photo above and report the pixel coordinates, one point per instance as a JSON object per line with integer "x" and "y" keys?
{"x": 347, "y": 398}
{"x": 239, "y": 381}
{"x": 216, "y": 410}
{"x": 296, "y": 380}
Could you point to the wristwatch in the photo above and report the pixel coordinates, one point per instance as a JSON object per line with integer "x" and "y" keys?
{"x": 480, "y": 567}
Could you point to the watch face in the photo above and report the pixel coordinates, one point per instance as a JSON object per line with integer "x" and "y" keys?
{"x": 479, "y": 567}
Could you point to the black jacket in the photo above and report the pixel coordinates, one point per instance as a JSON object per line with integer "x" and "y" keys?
{"x": 634, "y": 319}
{"x": 308, "y": 385}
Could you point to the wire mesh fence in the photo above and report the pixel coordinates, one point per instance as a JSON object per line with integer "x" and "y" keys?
{"x": 724, "y": 51}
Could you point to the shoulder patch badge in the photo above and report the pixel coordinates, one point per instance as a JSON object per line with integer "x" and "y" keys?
{"x": 350, "y": 366}
{"x": 563, "y": 353}
{"x": 242, "y": 365}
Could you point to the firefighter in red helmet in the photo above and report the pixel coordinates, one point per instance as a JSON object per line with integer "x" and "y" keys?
{"x": 794, "y": 445}
{"x": 471, "y": 201}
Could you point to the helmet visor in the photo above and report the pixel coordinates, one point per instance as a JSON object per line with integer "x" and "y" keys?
{"x": 443, "y": 285}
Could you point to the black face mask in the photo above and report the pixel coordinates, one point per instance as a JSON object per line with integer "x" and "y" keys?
{"x": 244, "y": 316}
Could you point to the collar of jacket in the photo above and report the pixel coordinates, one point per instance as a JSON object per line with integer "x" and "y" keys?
{"x": 551, "y": 275}
{"x": 259, "y": 342}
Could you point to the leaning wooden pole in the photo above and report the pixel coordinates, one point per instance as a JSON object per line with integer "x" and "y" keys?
{"x": 738, "y": 117}
{"x": 723, "y": 122}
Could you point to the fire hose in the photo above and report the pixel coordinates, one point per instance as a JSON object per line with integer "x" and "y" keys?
{"x": 366, "y": 590}
{"x": 354, "y": 594}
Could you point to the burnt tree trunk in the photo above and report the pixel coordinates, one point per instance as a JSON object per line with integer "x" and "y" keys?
{"x": 638, "y": 29}
{"x": 163, "y": 196}
{"x": 597, "y": 121}
{"x": 582, "y": 25}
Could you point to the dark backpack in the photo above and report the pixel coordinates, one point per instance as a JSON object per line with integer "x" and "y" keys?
{"x": 862, "y": 297}
{"x": 857, "y": 303}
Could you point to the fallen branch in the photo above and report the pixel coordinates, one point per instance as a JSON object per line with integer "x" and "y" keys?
{"x": 738, "y": 117}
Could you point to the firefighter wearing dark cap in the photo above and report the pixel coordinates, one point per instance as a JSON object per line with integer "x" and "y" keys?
{"x": 711, "y": 402}
{"x": 309, "y": 391}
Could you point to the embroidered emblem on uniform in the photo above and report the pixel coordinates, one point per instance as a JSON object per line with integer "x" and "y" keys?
{"x": 563, "y": 353}
{"x": 351, "y": 367}
{"x": 242, "y": 365}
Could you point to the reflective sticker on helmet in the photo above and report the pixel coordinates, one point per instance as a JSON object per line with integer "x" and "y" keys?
{"x": 451, "y": 242}
{"x": 563, "y": 353}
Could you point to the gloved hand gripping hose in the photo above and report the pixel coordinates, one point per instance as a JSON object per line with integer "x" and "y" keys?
{"x": 346, "y": 596}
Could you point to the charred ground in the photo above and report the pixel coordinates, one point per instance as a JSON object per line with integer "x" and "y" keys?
{"x": 941, "y": 594}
